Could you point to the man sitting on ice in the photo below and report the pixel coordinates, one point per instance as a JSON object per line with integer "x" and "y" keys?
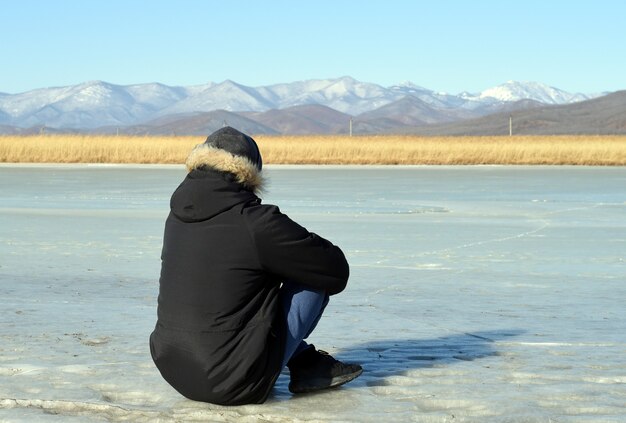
{"x": 241, "y": 286}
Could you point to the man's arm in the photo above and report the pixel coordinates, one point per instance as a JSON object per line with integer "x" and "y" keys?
{"x": 289, "y": 251}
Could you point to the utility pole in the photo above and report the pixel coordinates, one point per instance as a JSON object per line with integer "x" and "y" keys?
{"x": 350, "y": 126}
{"x": 510, "y": 125}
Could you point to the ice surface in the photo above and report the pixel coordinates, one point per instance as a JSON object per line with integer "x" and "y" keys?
{"x": 476, "y": 293}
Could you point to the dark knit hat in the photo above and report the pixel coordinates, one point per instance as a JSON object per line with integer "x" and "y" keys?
{"x": 236, "y": 143}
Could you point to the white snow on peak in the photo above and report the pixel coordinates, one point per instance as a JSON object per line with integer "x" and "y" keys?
{"x": 515, "y": 91}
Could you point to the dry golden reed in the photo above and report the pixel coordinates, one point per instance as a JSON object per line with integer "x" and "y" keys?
{"x": 331, "y": 149}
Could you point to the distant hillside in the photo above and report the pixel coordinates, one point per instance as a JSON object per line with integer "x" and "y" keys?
{"x": 191, "y": 124}
{"x": 305, "y": 119}
{"x": 410, "y": 114}
{"x": 602, "y": 115}
{"x": 98, "y": 104}
{"x": 411, "y": 111}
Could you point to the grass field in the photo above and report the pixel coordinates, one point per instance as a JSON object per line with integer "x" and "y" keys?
{"x": 332, "y": 149}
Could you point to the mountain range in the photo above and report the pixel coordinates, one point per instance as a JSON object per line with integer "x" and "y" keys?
{"x": 321, "y": 106}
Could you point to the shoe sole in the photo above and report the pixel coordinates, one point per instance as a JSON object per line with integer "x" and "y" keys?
{"x": 322, "y": 383}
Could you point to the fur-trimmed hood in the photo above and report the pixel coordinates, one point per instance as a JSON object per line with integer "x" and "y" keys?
{"x": 216, "y": 182}
{"x": 205, "y": 156}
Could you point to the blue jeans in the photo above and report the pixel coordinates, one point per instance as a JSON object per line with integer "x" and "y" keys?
{"x": 302, "y": 307}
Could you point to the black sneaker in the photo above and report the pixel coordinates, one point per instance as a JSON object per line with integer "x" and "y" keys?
{"x": 313, "y": 370}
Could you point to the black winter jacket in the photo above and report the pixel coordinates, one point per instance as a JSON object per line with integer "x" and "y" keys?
{"x": 219, "y": 335}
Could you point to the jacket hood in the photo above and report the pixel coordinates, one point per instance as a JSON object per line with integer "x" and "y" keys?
{"x": 206, "y": 156}
{"x": 217, "y": 181}
{"x": 206, "y": 193}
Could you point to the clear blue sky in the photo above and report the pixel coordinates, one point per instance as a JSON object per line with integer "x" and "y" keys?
{"x": 452, "y": 46}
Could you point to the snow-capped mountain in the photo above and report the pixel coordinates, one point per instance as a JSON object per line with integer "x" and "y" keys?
{"x": 515, "y": 91}
{"x": 344, "y": 94}
{"x": 96, "y": 103}
{"x": 89, "y": 104}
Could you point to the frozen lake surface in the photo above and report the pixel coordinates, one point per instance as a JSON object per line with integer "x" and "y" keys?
{"x": 476, "y": 294}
